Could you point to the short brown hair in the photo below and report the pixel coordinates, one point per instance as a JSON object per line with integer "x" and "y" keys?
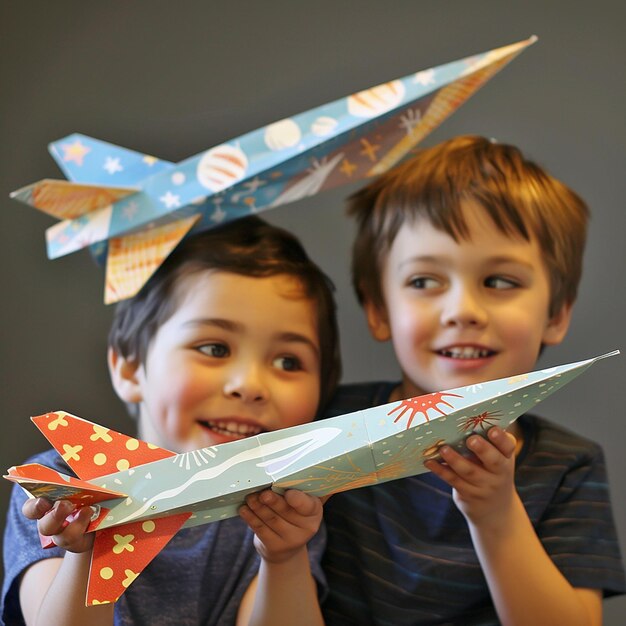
{"x": 519, "y": 196}
{"x": 250, "y": 247}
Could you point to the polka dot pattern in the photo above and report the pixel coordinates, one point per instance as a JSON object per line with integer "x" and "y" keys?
{"x": 120, "y": 554}
{"x": 92, "y": 450}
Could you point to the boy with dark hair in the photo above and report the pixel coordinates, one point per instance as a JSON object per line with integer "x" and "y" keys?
{"x": 468, "y": 258}
{"x": 234, "y": 335}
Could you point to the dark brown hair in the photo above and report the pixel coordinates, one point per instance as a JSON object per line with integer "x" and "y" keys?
{"x": 250, "y": 247}
{"x": 520, "y": 197}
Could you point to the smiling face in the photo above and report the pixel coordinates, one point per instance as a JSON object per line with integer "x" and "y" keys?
{"x": 239, "y": 356}
{"x": 460, "y": 313}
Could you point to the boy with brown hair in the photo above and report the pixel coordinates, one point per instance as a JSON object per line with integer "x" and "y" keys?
{"x": 234, "y": 335}
{"x": 468, "y": 258}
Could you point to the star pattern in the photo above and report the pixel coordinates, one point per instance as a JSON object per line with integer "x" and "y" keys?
{"x": 112, "y": 165}
{"x": 425, "y": 78}
{"x": 130, "y": 210}
{"x": 345, "y": 140}
{"x": 170, "y": 200}
{"x": 75, "y": 152}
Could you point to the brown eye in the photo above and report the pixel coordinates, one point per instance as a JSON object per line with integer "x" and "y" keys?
{"x": 215, "y": 350}
{"x": 288, "y": 363}
{"x": 499, "y": 282}
{"x": 423, "y": 282}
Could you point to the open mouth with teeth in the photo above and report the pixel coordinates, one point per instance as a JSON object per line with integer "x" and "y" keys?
{"x": 466, "y": 352}
{"x": 231, "y": 428}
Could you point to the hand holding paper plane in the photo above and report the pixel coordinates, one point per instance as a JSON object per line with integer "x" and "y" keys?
{"x": 142, "y": 495}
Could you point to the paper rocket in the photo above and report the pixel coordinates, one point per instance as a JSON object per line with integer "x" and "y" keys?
{"x": 142, "y": 494}
{"x": 133, "y": 209}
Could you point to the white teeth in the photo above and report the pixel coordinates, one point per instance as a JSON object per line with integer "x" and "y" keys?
{"x": 465, "y": 352}
{"x": 234, "y": 429}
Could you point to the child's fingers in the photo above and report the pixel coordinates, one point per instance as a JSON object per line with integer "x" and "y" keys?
{"x": 504, "y": 441}
{"x": 486, "y": 463}
{"x": 437, "y": 468}
{"x": 36, "y": 508}
{"x": 53, "y": 521}
{"x": 302, "y": 503}
{"x": 73, "y": 537}
{"x": 263, "y": 522}
{"x": 279, "y": 527}
{"x": 494, "y": 453}
{"x": 255, "y": 513}
{"x": 446, "y": 471}
{"x": 458, "y": 471}
{"x": 249, "y": 517}
{"x": 269, "y": 507}
{"x": 280, "y": 512}
{"x": 294, "y": 506}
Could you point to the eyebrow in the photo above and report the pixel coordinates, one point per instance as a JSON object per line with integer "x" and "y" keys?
{"x": 298, "y": 338}
{"x": 229, "y": 325}
{"x": 498, "y": 260}
{"x": 214, "y": 321}
{"x": 426, "y": 258}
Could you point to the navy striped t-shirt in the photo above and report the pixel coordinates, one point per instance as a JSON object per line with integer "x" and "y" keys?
{"x": 401, "y": 553}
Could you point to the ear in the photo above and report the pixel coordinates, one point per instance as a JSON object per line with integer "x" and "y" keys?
{"x": 558, "y": 326}
{"x": 124, "y": 376}
{"x": 377, "y": 321}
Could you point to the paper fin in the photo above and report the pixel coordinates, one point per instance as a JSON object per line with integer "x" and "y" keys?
{"x": 132, "y": 259}
{"x": 84, "y": 159}
{"x": 122, "y": 552}
{"x": 44, "y": 482}
{"x": 92, "y": 450}
{"x": 65, "y": 200}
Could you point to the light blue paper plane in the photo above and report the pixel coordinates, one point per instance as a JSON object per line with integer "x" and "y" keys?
{"x": 122, "y": 203}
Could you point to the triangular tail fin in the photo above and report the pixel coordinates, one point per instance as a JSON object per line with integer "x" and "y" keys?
{"x": 66, "y": 200}
{"x": 122, "y": 552}
{"x": 92, "y": 450}
{"x": 87, "y": 160}
{"x": 44, "y": 482}
{"x": 132, "y": 259}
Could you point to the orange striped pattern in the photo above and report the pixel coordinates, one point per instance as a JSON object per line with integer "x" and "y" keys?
{"x": 447, "y": 100}
{"x": 134, "y": 258}
{"x": 66, "y": 200}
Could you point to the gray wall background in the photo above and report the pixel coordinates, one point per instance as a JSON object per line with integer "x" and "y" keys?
{"x": 173, "y": 79}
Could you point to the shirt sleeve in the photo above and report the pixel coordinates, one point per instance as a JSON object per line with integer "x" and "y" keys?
{"x": 21, "y": 548}
{"x": 577, "y": 527}
{"x": 200, "y": 576}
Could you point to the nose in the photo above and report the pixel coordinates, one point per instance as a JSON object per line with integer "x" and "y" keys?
{"x": 463, "y": 307}
{"x": 245, "y": 382}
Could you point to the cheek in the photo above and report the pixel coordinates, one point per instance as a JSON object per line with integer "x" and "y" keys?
{"x": 299, "y": 406}
{"x": 523, "y": 326}
{"x": 410, "y": 325}
{"x": 408, "y": 337}
{"x": 190, "y": 387}
{"x": 523, "y": 337}
{"x": 176, "y": 386}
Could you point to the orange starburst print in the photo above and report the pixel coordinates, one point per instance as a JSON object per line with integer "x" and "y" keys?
{"x": 421, "y": 405}
{"x": 485, "y": 420}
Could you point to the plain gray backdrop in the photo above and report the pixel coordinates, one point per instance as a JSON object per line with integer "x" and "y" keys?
{"x": 175, "y": 78}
